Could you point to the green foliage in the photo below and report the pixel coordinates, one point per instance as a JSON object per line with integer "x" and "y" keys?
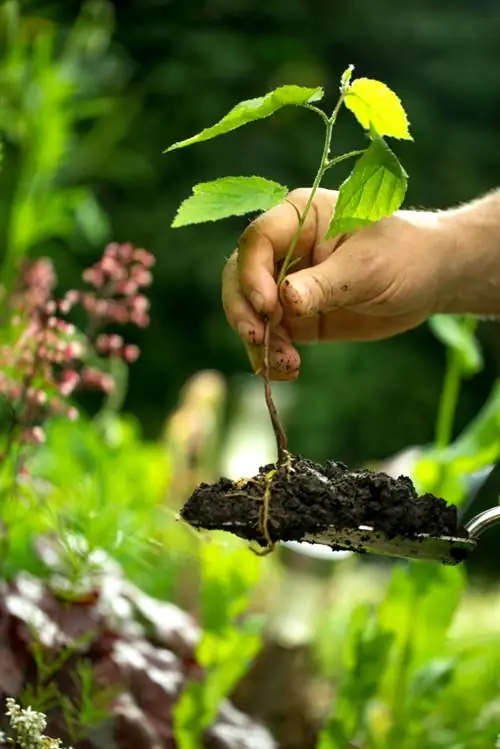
{"x": 376, "y": 107}
{"x": 54, "y": 98}
{"x": 229, "y": 573}
{"x": 434, "y": 688}
{"x": 396, "y": 663}
{"x": 255, "y": 109}
{"x": 375, "y": 188}
{"x": 92, "y": 709}
{"x": 100, "y": 480}
{"x": 230, "y": 196}
{"x": 367, "y": 650}
{"x": 444, "y": 470}
{"x": 457, "y": 333}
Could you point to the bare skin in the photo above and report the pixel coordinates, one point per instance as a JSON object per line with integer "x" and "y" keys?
{"x": 380, "y": 281}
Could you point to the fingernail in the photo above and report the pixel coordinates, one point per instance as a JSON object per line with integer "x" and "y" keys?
{"x": 257, "y": 301}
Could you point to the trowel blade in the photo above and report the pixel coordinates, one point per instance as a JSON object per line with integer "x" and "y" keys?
{"x": 444, "y": 549}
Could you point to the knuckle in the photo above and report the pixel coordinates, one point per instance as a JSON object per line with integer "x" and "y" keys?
{"x": 299, "y": 196}
{"x": 248, "y": 236}
{"x": 324, "y": 284}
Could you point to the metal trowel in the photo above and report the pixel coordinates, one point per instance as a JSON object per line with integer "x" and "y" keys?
{"x": 449, "y": 550}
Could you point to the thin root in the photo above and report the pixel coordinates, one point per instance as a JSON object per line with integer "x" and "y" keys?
{"x": 287, "y": 461}
{"x": 264, "y": 512}
{"x": 240, "y": 483}
{"x": 263, "y": 551}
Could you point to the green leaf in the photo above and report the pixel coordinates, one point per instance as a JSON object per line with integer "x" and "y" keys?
{"x": 190, "y": 716}
{"x": 345, "y": 79}
{"x": 254, "y": 109}
{"x": 430, "y": 680}
{"x": 229, "y": 196}
{"x": 375, "y": 188}
{"x": 476, "y": 447}
{"x": 367, "y": 651}
{"x": 435, "y": 592}
{"x": 454, "y": 332}
{"x": 229, "y": 573}
{"x": 375, "y": 105}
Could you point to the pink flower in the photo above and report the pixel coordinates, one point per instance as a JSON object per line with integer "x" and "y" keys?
{"x": 69, "y": 381}
{"x": 131, "y": 353}
{"x": 38, "y": 435}
{"x": 144, "y": 257}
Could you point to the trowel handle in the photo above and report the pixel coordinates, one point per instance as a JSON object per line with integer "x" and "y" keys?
{"x": 478, "y": 524}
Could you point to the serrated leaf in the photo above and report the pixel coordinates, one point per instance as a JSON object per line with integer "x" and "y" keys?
{"x": 376, "y": 106}
{"x": 254, "y": 109}
{"x": 229, "y": 196}
{"x": 375, "y": 188}
{"x": 454, "y": 333}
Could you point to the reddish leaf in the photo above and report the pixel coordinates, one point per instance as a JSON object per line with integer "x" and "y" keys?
{"x": 11, "y": 673}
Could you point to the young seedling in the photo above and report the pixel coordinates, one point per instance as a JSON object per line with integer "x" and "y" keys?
{"x": 375, "y": 188}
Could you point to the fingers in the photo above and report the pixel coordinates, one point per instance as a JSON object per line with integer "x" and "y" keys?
{"x": 249, "y": 290}
{"x": 239, "y": 312}
{"x": 265, "y": 242}
{"x": 346, "y": 278}
{"x": 346, "y": 325}
{"x": 284, "y": 360}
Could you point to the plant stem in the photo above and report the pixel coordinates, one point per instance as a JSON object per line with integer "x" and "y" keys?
{"x": 449, "y": 400}
{"x": 325, "y": 164}
{"x": 344, "y": 156}
{"x": 451, "y": 390}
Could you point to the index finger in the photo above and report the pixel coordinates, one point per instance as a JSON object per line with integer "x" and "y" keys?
{"x": 267, "y": 240}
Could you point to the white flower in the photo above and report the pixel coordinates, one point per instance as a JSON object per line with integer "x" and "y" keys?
{"x": 27, "y": 728}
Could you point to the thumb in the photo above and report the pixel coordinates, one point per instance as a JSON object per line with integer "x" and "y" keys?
{"x": 339, "y": 281}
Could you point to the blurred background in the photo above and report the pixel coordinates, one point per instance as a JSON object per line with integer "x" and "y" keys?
{"x": 149, "y": 72}
{"x": 91, "y": 94}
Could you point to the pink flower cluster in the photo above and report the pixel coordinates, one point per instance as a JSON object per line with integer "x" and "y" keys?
{"x": 44, "y": 358}
{"x": 118, "y": 279}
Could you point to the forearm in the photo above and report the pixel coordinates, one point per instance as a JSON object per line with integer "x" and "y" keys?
{"x": 472, "y": 232}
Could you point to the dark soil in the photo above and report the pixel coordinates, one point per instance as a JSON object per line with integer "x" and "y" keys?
{"x": 303, "y": 502}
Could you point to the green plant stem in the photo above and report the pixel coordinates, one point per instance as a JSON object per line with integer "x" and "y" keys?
{"x": 344, "y": 156}
{"x": 449, "y": 399}
{"x": 317, "y": 181}
{"x": 326, "y": 163}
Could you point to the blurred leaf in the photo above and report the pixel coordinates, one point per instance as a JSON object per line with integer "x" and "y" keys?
{"x": 375, "y": 188}
{"x": 229, "y": 572}
{"x": 190, "y": 715}
{"x": 457, "y": 333}
{"x": 225, "y": 658}
{"x": 333, "y": 736}
{"x": 431, "y": 679}
{"x": 419, "y": 607}
{"x": 368, "y": 647}
{"x": 91, "y": 219}
{"x": 254, "y": 109}
{"x": 375, "y": 106}
{"x": 229, "y": 196}
{"x": 477, "y": 447}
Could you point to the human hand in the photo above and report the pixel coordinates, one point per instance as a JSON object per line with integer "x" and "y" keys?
{"x": 379, "y": 281}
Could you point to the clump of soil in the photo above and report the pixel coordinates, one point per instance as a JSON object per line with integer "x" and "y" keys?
{"x": 308, "y": 498}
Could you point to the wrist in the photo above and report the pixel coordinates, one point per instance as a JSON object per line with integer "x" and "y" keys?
{"x": 470, "y": 249}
